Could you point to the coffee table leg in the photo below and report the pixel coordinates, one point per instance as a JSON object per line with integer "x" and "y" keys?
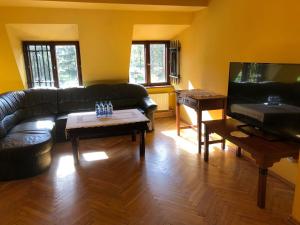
{"x": 262, "y": 185}
{"x": 75, "y": 145}
{"x": 142, "y": 143}
{"x": 223, "y": 145}
{"x": 239, "y": 152}
{"x": 224, "y": 118}
{"x": 206, "y": 145}
{"x": 199, "y": 130}
{"x": 178, "y": 118}
{"x": 133, "y": 135}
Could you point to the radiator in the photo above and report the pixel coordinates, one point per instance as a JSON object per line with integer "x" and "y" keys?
{"x": 162, "y": 101}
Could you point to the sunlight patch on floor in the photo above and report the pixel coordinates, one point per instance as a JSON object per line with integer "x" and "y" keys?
{"x": 94, "y": 156}
{"x": 65, "y": 166}
{"x": 187, "y": 140}
{"x": 184, "y": 142}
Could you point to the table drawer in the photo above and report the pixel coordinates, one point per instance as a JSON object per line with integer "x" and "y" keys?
{"x": 212, "y": 105}
{"x": 179, "y": 100}
{"x": 187, "y": 101}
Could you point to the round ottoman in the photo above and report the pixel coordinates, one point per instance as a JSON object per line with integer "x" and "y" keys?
{"x": 24, "y": 154}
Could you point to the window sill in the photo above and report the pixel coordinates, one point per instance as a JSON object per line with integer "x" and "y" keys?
{"x": 160, "y": 89}
{"x": 159, "y": 86}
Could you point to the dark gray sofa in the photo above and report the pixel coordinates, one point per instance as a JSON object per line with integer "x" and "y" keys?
{"x": 32, "y": 120}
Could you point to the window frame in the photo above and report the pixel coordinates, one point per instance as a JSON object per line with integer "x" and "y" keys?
{"x": 148, "y": 65}
{"x": 52, "y": 45}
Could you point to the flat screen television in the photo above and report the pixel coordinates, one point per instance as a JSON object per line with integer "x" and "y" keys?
{"x": 266, "y": 97}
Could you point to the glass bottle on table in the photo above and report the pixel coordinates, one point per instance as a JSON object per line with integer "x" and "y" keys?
{"x": 101, "y": 110}
{"x": 110, "y": 109}
{"x": 105, "y": 108}
{"x": 97, "y": 110}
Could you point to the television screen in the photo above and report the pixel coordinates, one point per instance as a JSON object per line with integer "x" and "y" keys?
{"x": 266, "y": 96}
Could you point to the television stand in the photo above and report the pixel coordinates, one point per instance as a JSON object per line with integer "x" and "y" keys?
{"x": 264, "y": 152}
{"x": 254, "y": 131}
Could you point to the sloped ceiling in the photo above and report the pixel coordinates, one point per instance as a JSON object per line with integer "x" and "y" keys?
{"x": 144, "y": 5}
{"x": 142, "y": 2}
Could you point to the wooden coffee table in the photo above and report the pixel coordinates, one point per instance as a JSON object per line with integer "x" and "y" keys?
{"x": 85, "y": 124}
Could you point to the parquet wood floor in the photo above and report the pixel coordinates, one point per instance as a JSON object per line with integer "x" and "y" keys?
{"x": 172, "y": 186}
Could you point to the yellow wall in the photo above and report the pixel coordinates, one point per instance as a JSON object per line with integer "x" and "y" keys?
{"x": 105, "y": 38}
{"x": 9, "y": 74}
{"x": 156, "y": 31}
{"x": 234, "y": 30}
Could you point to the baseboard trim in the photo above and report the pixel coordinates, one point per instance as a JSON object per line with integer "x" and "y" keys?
{"x": 282, "y": 179}
{"x": 273, "y": 174}
{"x": 187, "y": 123}
{"x": 292, "y": 221}
{"x": 164, "y": 114}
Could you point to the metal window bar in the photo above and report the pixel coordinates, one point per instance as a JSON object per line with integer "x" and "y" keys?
{"x": 29, "y": 65}
{"x": 43, "y": 60}
{"x": 49, "y": 66}
{"x": 40, "y": 66}
{"x": 34, "y": 68}
{"x": 37, "y": 66}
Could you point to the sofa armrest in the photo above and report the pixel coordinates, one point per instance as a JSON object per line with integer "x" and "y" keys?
{"x": 149, "y": 105}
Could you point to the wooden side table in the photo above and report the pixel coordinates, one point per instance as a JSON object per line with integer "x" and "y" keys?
{"x": 264, "y": 152}
{"x": 199, "y": 100}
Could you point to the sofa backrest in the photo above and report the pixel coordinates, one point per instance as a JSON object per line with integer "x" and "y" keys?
{"x": 73, "y": 100}
{"x": 122, "y": 96}
{"x": 117, "y": 91}
{"x": 11, "y": 110}
{"x": 19, "y": 105}
{"x": 83, "y": 99}
{"x": 41, "y": 102}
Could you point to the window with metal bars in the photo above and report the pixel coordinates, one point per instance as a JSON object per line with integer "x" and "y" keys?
{"x": 52, "y": 64}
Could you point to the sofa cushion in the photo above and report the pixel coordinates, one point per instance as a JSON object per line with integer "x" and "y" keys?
{"x": 74, "y": 100}
{"x": 35, "y": 124}
{"x": 125, "y": 103}
{"x": 11, "y": 110}
{"x": 40, "y": 102}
